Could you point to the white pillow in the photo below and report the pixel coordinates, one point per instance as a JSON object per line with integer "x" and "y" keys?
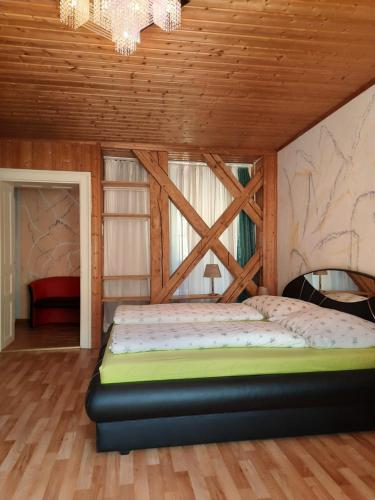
{"x": 328, "y": 328}
{"x": 274, "y": 307}
{"x": 184, "y": 313}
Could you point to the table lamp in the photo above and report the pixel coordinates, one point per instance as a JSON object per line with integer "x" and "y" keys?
{"x": 212, "y": 271}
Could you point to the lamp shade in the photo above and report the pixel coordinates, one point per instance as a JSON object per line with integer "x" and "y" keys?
{"x": 322, "y": 272}
{"x": 212, "y": 271}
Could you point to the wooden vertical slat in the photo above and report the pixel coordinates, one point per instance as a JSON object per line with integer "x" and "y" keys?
{"x": 269, "y": 242}
{"x": 94, "y": 162}
{"x": 159, "y": 229}
{"x": 164, "y": 210}
{"x": 155, "y": 236}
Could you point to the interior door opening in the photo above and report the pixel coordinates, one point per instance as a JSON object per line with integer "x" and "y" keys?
{"x": 45, "y": 270}
{"x": 47, "y": 266}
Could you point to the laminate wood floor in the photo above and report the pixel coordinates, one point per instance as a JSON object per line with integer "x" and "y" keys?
{"x": 43, "y": 337}
{"x": 47, "y": 450}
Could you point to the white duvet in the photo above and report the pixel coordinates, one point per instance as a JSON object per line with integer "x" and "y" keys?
{"x": 209, "y": 335}
{"x": 184, "y": 313}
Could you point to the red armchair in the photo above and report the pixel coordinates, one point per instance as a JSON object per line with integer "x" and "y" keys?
{"x": 55, "y": 300}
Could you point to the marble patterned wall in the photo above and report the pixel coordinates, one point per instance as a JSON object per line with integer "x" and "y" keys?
{"x": 47, "y": 228}
{"x": 326, "y": 194}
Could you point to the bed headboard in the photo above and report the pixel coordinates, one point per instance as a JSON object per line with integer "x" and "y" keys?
{"x": 312, "y": 287}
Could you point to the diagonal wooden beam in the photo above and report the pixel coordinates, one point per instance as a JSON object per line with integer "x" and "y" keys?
{"x": 174, "y": 193}
{"x": 187, "y": 210}
{"x": 235, "y": 187}
{"x": 228, "y": 260}
{"x": 152, "y": 166}
{"x": 205, "y": 244}
{"x": 224, "y": 167}
{"x": 240, "y": 283}
{"x": 225, "y": 175}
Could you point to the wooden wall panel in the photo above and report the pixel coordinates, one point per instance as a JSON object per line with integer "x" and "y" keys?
{"x": 87, "y": 156}
{"x": 69, "y": 156}
{"x": 269, "y": 241}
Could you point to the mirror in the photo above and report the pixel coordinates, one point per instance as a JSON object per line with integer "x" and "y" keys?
{"x": 343, "y": 286}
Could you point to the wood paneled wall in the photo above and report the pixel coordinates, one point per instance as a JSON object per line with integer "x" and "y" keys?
{"x": 269, "y": 236}
{"x": 70, "y": 156}
{"x": 87, "y": 157}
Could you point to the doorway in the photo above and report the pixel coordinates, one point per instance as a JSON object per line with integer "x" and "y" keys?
{"x": 61, "y": 181}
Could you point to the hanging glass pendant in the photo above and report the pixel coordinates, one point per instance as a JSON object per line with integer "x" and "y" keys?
{"x": 102, "y": 14}
{"x": 167, "y": 14}
{"x": 74, "y": 13}
{"x": 127, "y": 43}
{"x": 129, "y": 17}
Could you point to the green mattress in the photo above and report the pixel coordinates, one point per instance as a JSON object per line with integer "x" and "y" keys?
{"x": 202, "y": 363}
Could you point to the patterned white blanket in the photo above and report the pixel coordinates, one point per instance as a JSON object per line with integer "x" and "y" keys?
{"x": 200, "y": 335}
{"x": 184, "y": 313}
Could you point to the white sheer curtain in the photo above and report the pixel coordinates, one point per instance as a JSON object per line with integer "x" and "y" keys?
{"x": 126, "y": 240}
{"x": 124, "y": 169}
{"x": 210, "y": 198}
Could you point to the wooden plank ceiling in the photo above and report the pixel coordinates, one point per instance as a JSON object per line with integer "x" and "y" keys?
{"x": 239, "y": 74}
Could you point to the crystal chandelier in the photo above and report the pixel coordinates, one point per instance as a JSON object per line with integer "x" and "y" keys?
{"x": 123, "y": 20}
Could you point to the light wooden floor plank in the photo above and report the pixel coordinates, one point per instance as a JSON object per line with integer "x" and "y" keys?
{"x": 43, "y": 337}
{"x": 47, "y": 450}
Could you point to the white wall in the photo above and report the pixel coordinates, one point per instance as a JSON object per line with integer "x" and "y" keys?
{"x": 326, "y": 194}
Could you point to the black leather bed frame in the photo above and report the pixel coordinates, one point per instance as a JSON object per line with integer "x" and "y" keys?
{"x": 169, "y": 413}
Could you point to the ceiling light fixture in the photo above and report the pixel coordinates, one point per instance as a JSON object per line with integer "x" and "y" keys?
{"x": 123, "y": 19}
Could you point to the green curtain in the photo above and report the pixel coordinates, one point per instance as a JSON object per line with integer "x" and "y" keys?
{"x": 246, "y": 232}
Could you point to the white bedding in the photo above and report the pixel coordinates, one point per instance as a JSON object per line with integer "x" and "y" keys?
{"x": 184, "y": 313}
{"x": 328, "y": 328}
{"x": 345, "y": 296}
{"x": 274, "y": 307}
{"x": 293, "y": 323}
{"x": 172, "y": 336}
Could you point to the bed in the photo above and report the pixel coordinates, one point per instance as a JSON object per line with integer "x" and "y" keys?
{"x": 274, "y": 402}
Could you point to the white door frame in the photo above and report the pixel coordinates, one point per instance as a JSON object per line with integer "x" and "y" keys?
{"x": 83, "y": 179}
{"x": 7, "y": 267}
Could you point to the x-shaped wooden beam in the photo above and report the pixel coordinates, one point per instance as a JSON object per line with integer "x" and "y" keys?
{"x": 233, "y": 185}
{"x": 209, "y": 235}
{"x": 240, "y": 282}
